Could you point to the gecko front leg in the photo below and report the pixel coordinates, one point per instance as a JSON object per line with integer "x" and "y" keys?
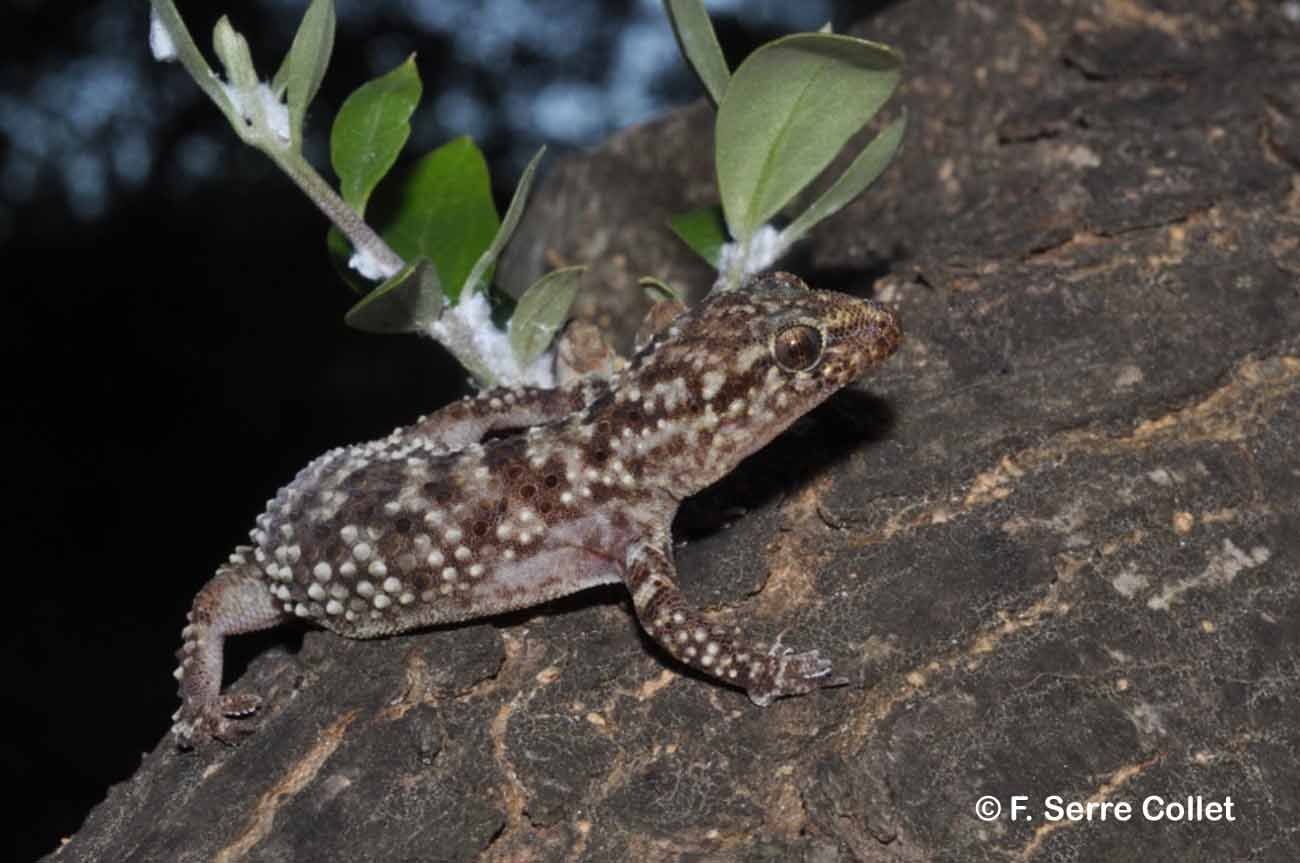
{"x": 718, "y": 651}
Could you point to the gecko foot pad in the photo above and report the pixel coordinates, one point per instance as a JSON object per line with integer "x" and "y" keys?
{"x": 224, "y": 721}
{"x": 792, "y": 674}
{"x": 239, "y": 705}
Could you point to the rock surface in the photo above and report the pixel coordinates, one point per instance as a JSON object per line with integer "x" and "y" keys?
{"x": 1055, "y": 543}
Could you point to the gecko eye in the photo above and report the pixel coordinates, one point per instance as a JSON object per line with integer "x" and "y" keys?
{"x": 797, "y": 348}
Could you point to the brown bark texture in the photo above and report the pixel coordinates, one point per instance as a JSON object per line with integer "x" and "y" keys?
{"x": 1054, "y": 543}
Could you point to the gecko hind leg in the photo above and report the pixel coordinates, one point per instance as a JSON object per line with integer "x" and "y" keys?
{"x": 235, "y": 601}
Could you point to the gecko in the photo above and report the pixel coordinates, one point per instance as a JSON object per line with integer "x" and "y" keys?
{"x": 516, "y": 496}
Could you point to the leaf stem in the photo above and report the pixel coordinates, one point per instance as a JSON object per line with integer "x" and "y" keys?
{"x": 250, "y": 121}
{"x": 734, "y": 265}
{"x": 362, "y": 237}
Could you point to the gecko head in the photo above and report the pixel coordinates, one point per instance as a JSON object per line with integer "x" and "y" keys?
{"x": 819, "y": 341}
{"x": 736, "y": 370}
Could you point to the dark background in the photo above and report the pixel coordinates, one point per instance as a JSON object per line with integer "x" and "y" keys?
{"x": 173, "y": 345}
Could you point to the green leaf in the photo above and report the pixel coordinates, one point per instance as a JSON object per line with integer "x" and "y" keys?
{"x": 508, "y": 224}
{"x": 789, "y": 109}
{"x": 445, "y": 212}
{"x": 699, "y": 45}
{"x": 304, "y": 66}
{"x": 863, "y": 171}
{"x": 370, "y": 130}
{"x": 190, "y": 56}
{"x": 541, "y": 312}
{"x": 657, "y": 289}
{"x": 703, "y": 230}
{"x": 232, "y": 50}
{"x": 409, "y": 301}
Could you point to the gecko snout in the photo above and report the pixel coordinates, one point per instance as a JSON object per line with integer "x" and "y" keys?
{"x": 870, "y": 330}
{"x": 887, "y": 332}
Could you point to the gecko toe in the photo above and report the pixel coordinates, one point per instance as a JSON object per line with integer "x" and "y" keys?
{"x": 793, "y": 673}
{"x": 225, "y": 720}
{"x": 239, "y": 705}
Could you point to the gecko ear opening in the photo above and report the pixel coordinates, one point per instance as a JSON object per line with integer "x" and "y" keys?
{"x": 797, "y": 348}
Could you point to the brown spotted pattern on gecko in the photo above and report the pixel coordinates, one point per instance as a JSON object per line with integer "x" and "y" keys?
{"x": 439, "y": 523}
